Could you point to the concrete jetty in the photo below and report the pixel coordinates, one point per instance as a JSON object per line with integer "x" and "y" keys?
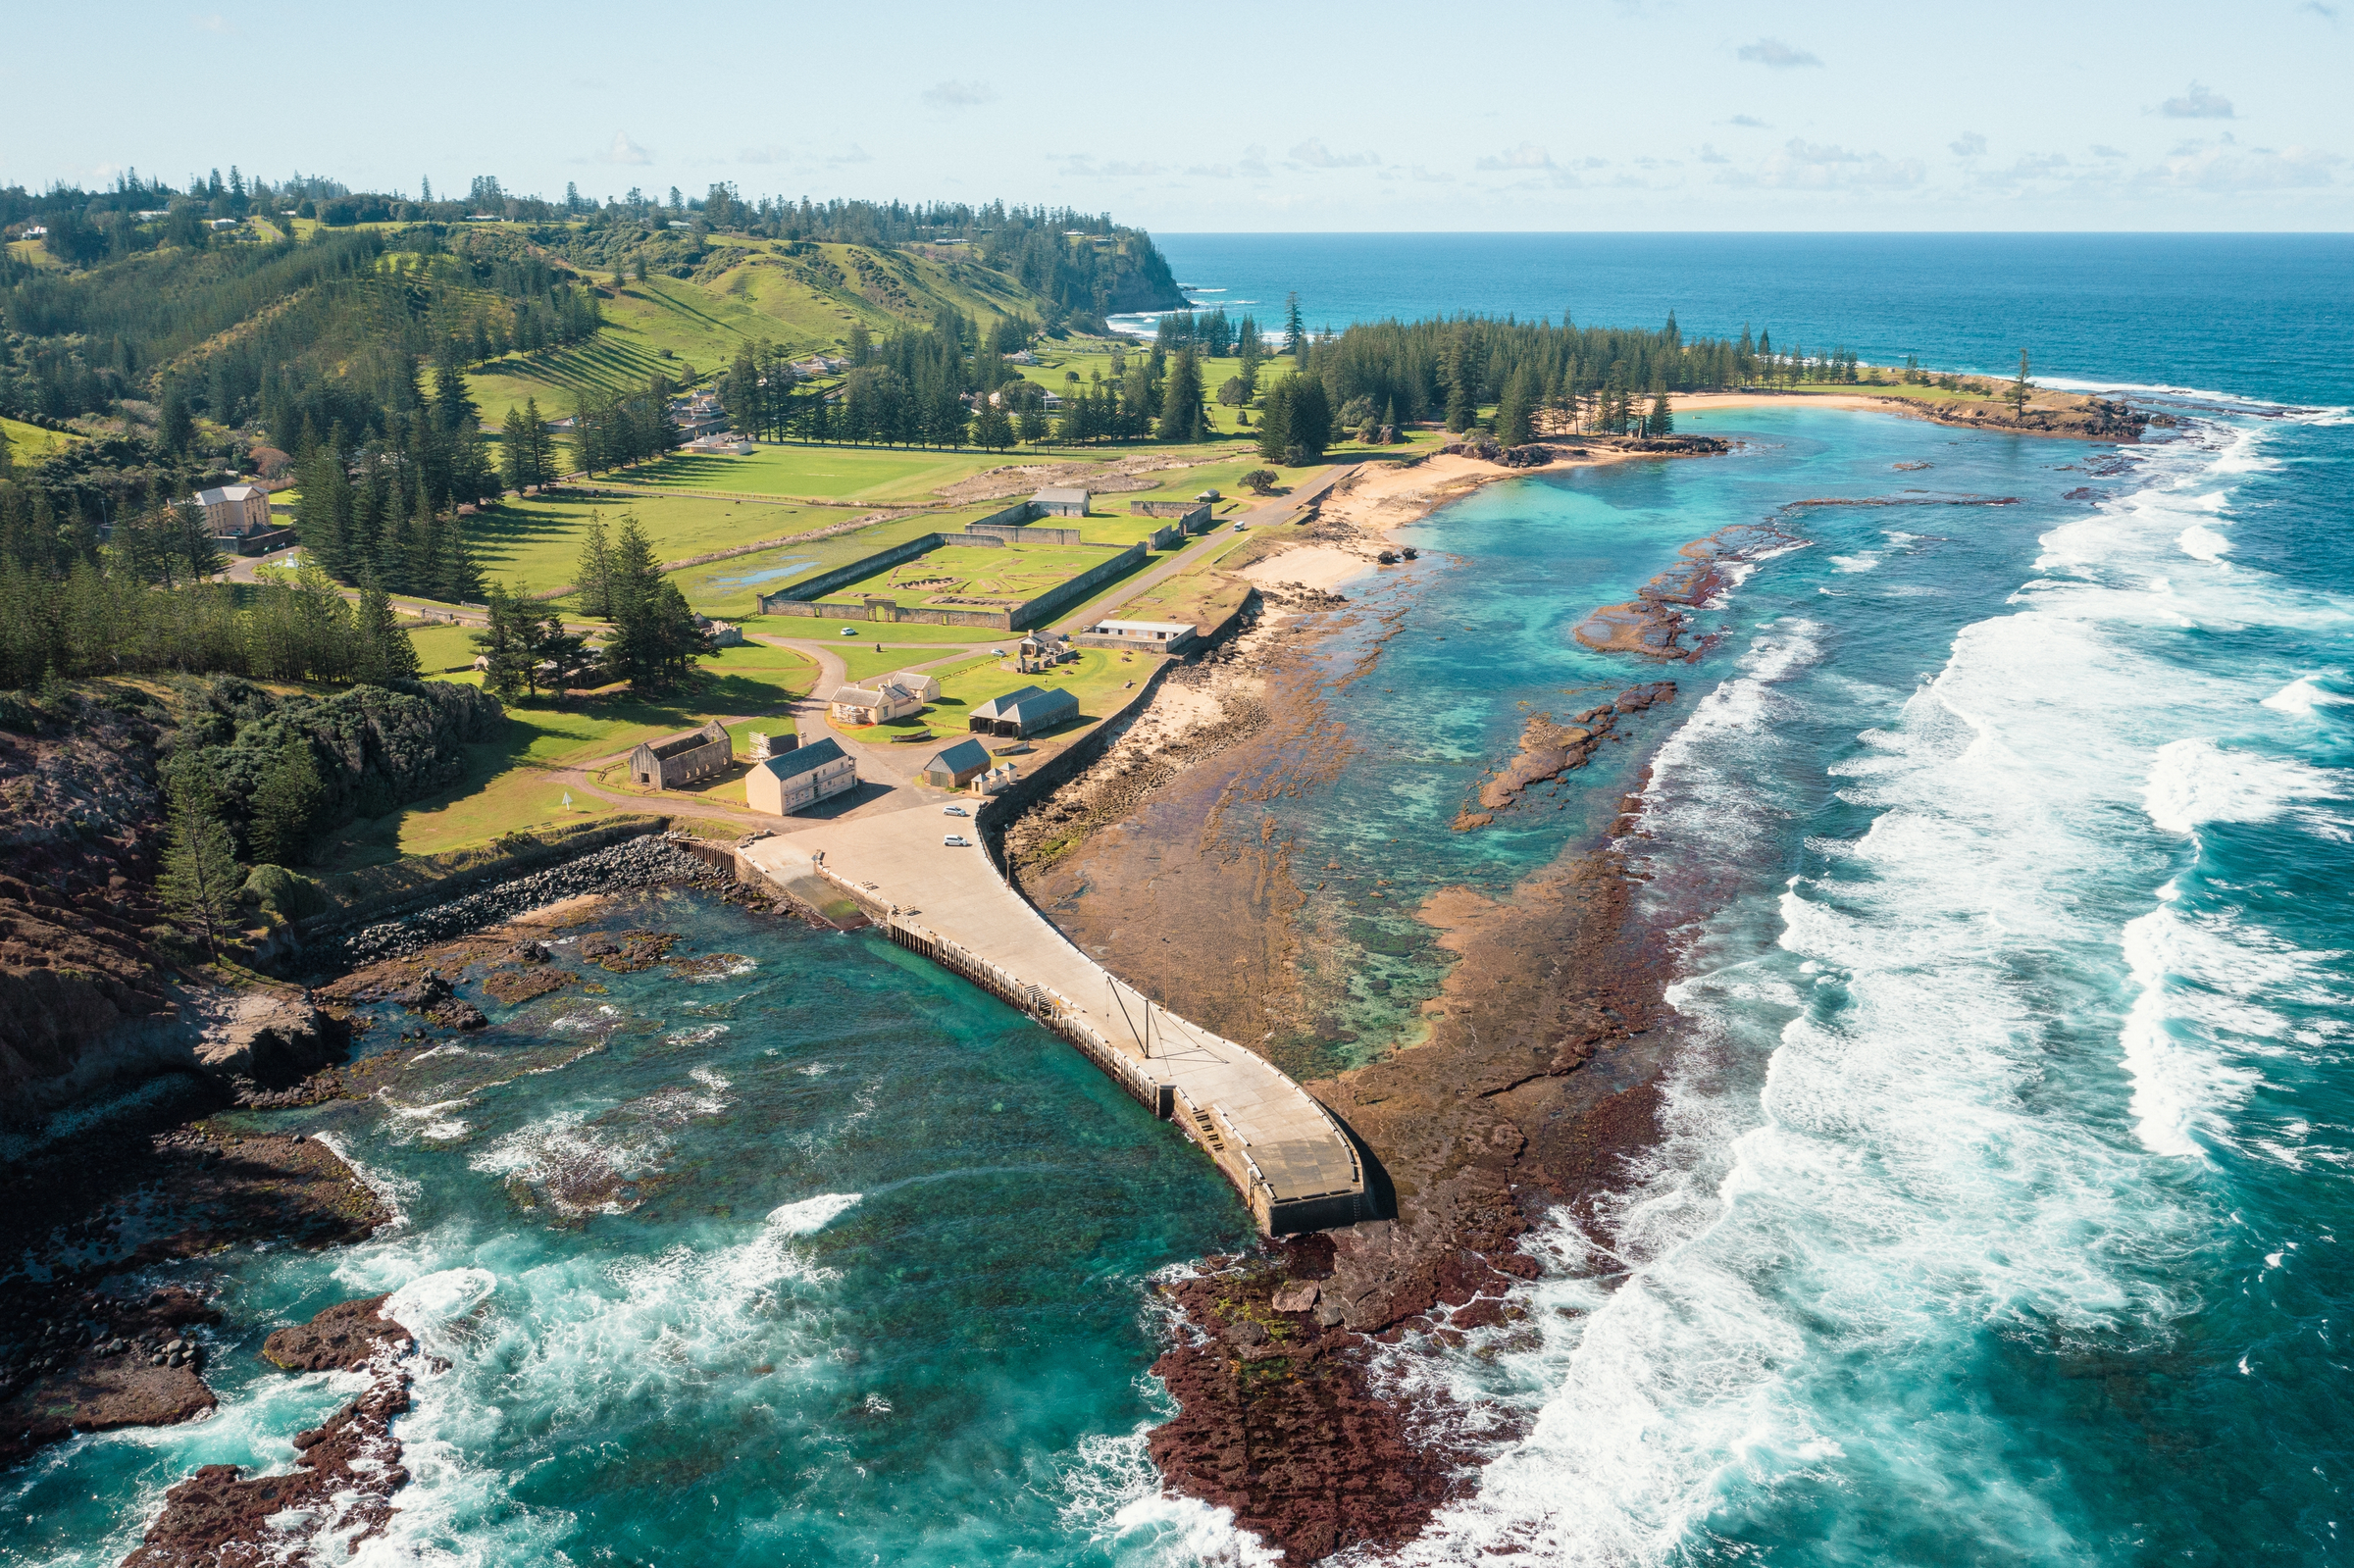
{"x": 1295, "y": 1167}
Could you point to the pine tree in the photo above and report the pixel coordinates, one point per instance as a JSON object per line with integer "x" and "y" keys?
{"x": 1294, "y": 332}
{"x": 1662, "y": 419}
{"x": 2019, "y": 389}
{"x": 862, "y": 346}
{"x": 176, "y": 429}
{"x": 384, "y": 651}
{"x": 1274, "y": 421}
{"x": 453, "y": 410}
{"x": 192, "y": 542}
{"x": 1515, "y": 410}
{"x": 200, "y": 881}
{"x": 459, "y": 581}
{"x": 286, "y": 806}
{"x": 593, "y": 578}
{"x": 514, "y": 451}
{"x": 501, "y": 649}
{"x": 1181, "y": 400}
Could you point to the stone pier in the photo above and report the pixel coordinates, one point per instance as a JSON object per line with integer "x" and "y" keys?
{"x": 1295, "y": 1166}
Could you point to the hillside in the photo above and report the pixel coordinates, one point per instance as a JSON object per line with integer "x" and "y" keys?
{"x": 701, "y": 304}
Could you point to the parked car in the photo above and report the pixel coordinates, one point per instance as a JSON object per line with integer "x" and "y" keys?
{"x": 954, "y": 811}
{"x": 954, "y": 840}
{"x": 849, "y": 631}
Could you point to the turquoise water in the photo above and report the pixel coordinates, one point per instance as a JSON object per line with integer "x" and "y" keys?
{"x": 2008, "y": 1136}
{"x": 828, "y": 1258}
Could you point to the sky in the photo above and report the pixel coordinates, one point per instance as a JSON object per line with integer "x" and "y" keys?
{"x": 1368, "y": 117}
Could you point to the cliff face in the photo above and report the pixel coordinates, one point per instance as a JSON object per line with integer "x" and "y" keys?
{"x": 78, "y": 804}
{"x": 90, "y": 997}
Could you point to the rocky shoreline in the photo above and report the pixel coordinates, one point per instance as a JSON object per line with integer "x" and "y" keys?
{"x": 1538, "y": 1077}
{"x": 164, "y": 1178}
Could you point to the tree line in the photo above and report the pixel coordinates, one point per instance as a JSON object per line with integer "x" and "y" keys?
{"x": 104, "y": 617}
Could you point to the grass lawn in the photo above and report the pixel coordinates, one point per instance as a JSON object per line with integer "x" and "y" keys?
{"x": 509, "y": 782}
{"x": 871, "y": 634}
{"x": 1018, "y": 572}
{"x": 442, "y": 648}
{"x": 535, "y": 543}
{"x": 30, "y": 444}
{"x": 848, "y": 473}
{"x": 732, "y": 587}
{"x": 866, "y": 663}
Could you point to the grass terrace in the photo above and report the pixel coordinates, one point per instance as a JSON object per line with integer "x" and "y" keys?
{"x": 515, "y": 783}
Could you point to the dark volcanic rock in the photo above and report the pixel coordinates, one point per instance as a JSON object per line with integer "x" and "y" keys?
{"x": 92, "y": 1363}
{"x": 340, "y": 1339}
{"x": 1277, "y": 1422}
{"x": 341, "y": 1484}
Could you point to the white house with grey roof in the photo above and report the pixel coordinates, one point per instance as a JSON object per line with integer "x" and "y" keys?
{"x": 796, "y": 779}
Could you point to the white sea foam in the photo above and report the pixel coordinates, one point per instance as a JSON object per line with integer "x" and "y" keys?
{"x": 1861, "y": 561}
{"x": 2302, "y": 696}
{"x": 2194, "y": 781}
{"x": 1814, "y": 1243}
{"x": 1112, "y": 1498}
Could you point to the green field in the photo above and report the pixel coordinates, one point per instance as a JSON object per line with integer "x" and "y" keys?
{"x": 30, "y": 444}
{"x": 866, "y": 635}
{"x": 1017, "y": 573}
{"x": 846, "y": 474}
{"x": 534, "y": 542}
{"x": 510, "y": 782}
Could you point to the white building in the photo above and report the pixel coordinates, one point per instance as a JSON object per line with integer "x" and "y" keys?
{"x": 232, "y": 511}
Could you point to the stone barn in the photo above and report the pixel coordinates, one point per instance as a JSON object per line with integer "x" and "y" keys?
{"x": 683, "y": 759}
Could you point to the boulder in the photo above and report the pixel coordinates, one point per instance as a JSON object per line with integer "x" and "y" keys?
{"x": 268, "y": 1037}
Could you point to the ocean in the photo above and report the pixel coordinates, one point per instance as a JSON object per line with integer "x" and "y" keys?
{"x": 2006, "y": 849}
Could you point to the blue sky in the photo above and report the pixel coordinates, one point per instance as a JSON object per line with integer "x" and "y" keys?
{"x": 1619, "y": 115}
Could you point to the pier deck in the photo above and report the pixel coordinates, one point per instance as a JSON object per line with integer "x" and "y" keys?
{"x": 1293, "y": 1164}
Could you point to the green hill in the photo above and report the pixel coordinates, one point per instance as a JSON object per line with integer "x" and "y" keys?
{"x": 802, "y": 296}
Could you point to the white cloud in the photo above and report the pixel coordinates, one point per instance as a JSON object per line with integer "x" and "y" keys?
{"x": 1527, "y": 155}
{"x": 624, "y": 151}
{"x": 1710, "y": 155}
{"x": 2224, "y": 166}
{"x": 213, "y": 21}
{"x": 1752, "y": 122}
{"x": 1082, "y": 166}
{"x": 2325, "y": 13}
{"x": 2199, "y": 103}
{"x": 1969, "y": 144}
{"x": 2104, "y": 150}
{"x": 1315, "y": 155}
{"x": 771, "y": 154}
{"x": 1808, "y": 166}
{"x": 856, "y": 155}
{"x": 1778, "y": 54}
{"x": 1432, "y": 176}
{"x": 959, "y": 95}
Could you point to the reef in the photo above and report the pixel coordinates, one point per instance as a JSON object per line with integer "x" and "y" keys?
{"x": 1549, "y": 749}
{"x": 345, "y": 1469}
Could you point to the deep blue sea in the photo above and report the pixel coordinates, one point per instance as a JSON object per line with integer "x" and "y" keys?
{"x": 2011, "y": 1130}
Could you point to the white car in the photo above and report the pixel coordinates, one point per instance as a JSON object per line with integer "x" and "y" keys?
{"x": 849, "y": 631}
{"x": 1242, "y": 528}
{"x": 954, "y": 840}
{"x": 955, "y": 811}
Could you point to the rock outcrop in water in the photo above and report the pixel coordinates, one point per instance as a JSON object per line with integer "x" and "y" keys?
{"x": 1549, "y": 749}
{"x": 345, "y": 1471}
